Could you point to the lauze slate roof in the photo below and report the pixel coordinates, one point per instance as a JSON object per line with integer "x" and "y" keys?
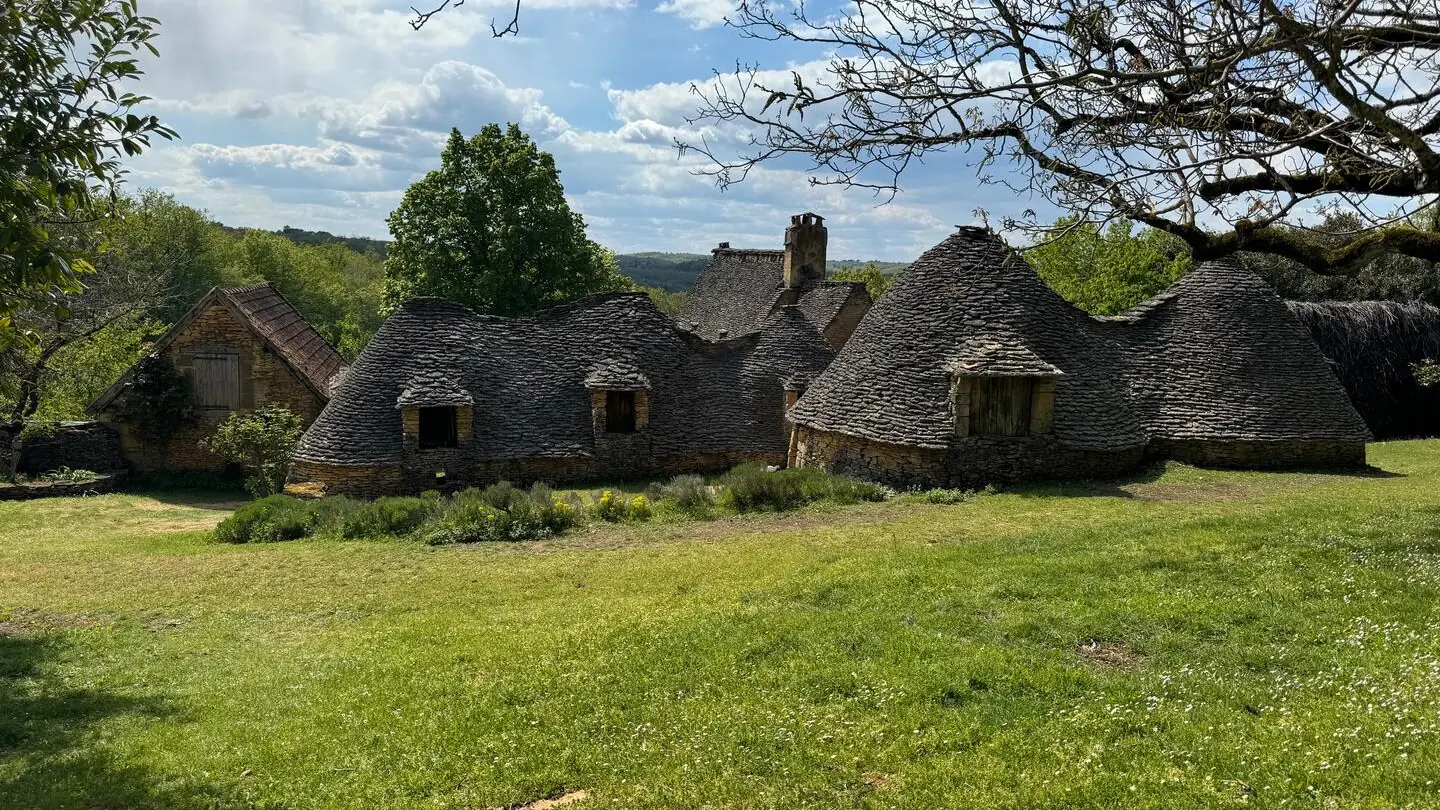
{"x": 530, "y": 380}
{"x": 740, "y": 289}
{"x": 1218, "y": 356}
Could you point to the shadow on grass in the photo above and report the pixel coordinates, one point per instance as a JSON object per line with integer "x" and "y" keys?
{"x": 1153, "y": 471}
{"x": 49, "y": 757}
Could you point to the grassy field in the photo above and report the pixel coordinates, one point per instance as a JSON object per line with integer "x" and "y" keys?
{"x": 1183, "y": 639}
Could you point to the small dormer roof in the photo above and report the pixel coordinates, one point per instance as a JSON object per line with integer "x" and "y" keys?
{"x": 433, "y": 390}
{"x": 999, "y": 358}
{"x": 616, "y": 375}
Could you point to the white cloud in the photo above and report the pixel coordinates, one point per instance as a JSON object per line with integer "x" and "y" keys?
{"x": 699, "y": 13}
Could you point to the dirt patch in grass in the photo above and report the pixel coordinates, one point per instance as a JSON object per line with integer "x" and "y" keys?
{"x": 32, "y": 622}
{"x": 876, "y": 779}
{"x": 1109, "y": 655}
{"x": 572, "y": 797}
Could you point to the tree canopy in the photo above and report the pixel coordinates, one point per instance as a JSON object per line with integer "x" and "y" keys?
{"x": 1107, "y": 271}
{"x": 65, "y": 121}
{"x": 491, "y": 229}
{"x": 1223, "y": 123}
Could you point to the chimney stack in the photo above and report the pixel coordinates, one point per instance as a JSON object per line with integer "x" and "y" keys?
{"x": 804, "y": 250}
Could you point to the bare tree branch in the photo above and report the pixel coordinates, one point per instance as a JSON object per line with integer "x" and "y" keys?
{"x": 1223, "y": 122}
{"x": 421, "y": 18}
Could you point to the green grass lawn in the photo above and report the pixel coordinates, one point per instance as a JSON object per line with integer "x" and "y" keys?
{"x": 1187, "y": 639}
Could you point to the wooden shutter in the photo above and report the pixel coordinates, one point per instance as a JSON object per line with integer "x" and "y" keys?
{"x": 216, "y": 381}
{"x": 1001, "y": 406}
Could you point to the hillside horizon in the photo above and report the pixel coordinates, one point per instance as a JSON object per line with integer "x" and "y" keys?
{"x": 672, "y": 271}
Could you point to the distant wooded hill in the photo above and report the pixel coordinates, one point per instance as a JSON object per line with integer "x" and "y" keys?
{"x": 673, "y": 272}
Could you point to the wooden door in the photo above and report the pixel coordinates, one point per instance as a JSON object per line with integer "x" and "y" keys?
{"x": 216, "y": 381}
{"x": 1002, "y": 406}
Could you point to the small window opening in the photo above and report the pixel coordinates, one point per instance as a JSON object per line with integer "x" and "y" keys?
{"x": 437, "y": 428}
{"x": 619, "y": 411}
{"x": 1000, "y": 406}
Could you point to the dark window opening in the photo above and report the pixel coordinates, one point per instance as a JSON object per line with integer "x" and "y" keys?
{"x": 619, "y": 411}
{"x": 1000, "y": 406}
{"x": 437, "y": 427}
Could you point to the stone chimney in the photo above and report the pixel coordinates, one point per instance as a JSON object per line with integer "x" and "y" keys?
{"x": 804, "y": 250}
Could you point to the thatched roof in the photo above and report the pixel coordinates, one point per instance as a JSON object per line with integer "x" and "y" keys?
{"x": 1372, "y": 346}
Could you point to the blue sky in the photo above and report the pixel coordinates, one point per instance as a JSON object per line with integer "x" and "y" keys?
{"x": 318, "y": 113}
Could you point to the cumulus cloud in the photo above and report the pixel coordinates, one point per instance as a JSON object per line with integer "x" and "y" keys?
{"x": 399, "y": 117}
{"x": 699, "y": 13}
{"x": 320, "y": 114}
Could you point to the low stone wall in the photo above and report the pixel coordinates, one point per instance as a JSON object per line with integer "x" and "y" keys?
{"x": 419, "y": 472}
{"x": 77, "y": 445}
{"x": 972, "y": 462}
{"x": 61, "y": 489}
{"x": 1261, "y": 455}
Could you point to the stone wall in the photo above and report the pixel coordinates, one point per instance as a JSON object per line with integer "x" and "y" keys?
{"x": 265, "y": 379}
{"x": 842, "y": 326}
{"x": 77, "y": 445}
{"x": 418, "y": 474}
{"x": 973, "y": 461}
{"x": 1259, "y": 455}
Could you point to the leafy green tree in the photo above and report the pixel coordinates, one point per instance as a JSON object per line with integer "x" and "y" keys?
{"x": 1107, "y": 272}
{"x": 670, "y": 303}
{"x": 154, "y": 236}
{"x": 336, "y": 289}
{"x": 65, "y": 120}
{"x": 491, "y": 229}
{"x": 262, "y": 442}
{"x": 876, "y": 281}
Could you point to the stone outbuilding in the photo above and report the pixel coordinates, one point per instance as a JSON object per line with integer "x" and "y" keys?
{"x": 241, "y": 348}
{"x": 741, "y": 288}
{"x": 606, "y": 387}
{"x": 972, "y": 370}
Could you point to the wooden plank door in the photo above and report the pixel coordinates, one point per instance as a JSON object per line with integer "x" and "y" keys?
{"x": 217, "y": 381}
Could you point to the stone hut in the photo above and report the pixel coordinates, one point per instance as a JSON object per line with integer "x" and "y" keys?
{"x": 242, "y": 348}
{"x": 606, "y": 387}
{"x": 972, "y": 370}
{"x": 740, "y": 289}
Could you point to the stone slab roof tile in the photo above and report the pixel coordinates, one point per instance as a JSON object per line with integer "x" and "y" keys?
{"x": 528, "y": 377}
{"x": 1217, "y": 356}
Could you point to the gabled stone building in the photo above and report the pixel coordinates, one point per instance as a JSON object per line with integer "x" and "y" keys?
{"x": 606, "y": 387}
{"x": 741, "y": 288}
{"x": 241, "y": 348}
{"x": 972, "y": 370}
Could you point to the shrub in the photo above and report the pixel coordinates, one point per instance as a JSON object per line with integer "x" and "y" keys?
{"x": 752, "y": 488}
{"x": 499, "y": 512}
{"x": 689, "y": 493}
{"x": 262, "y": 441}
{"x": 946, "y": 496}
{"x": 615, "y": 507}
{"x": 268, "y": 520}
{"x": 74, "y": 476}
{"x": 386, "y": 517}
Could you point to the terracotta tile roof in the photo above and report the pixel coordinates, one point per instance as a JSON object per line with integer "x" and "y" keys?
{"x": 274, "y": 320}
{"x": 287, "y": 331}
